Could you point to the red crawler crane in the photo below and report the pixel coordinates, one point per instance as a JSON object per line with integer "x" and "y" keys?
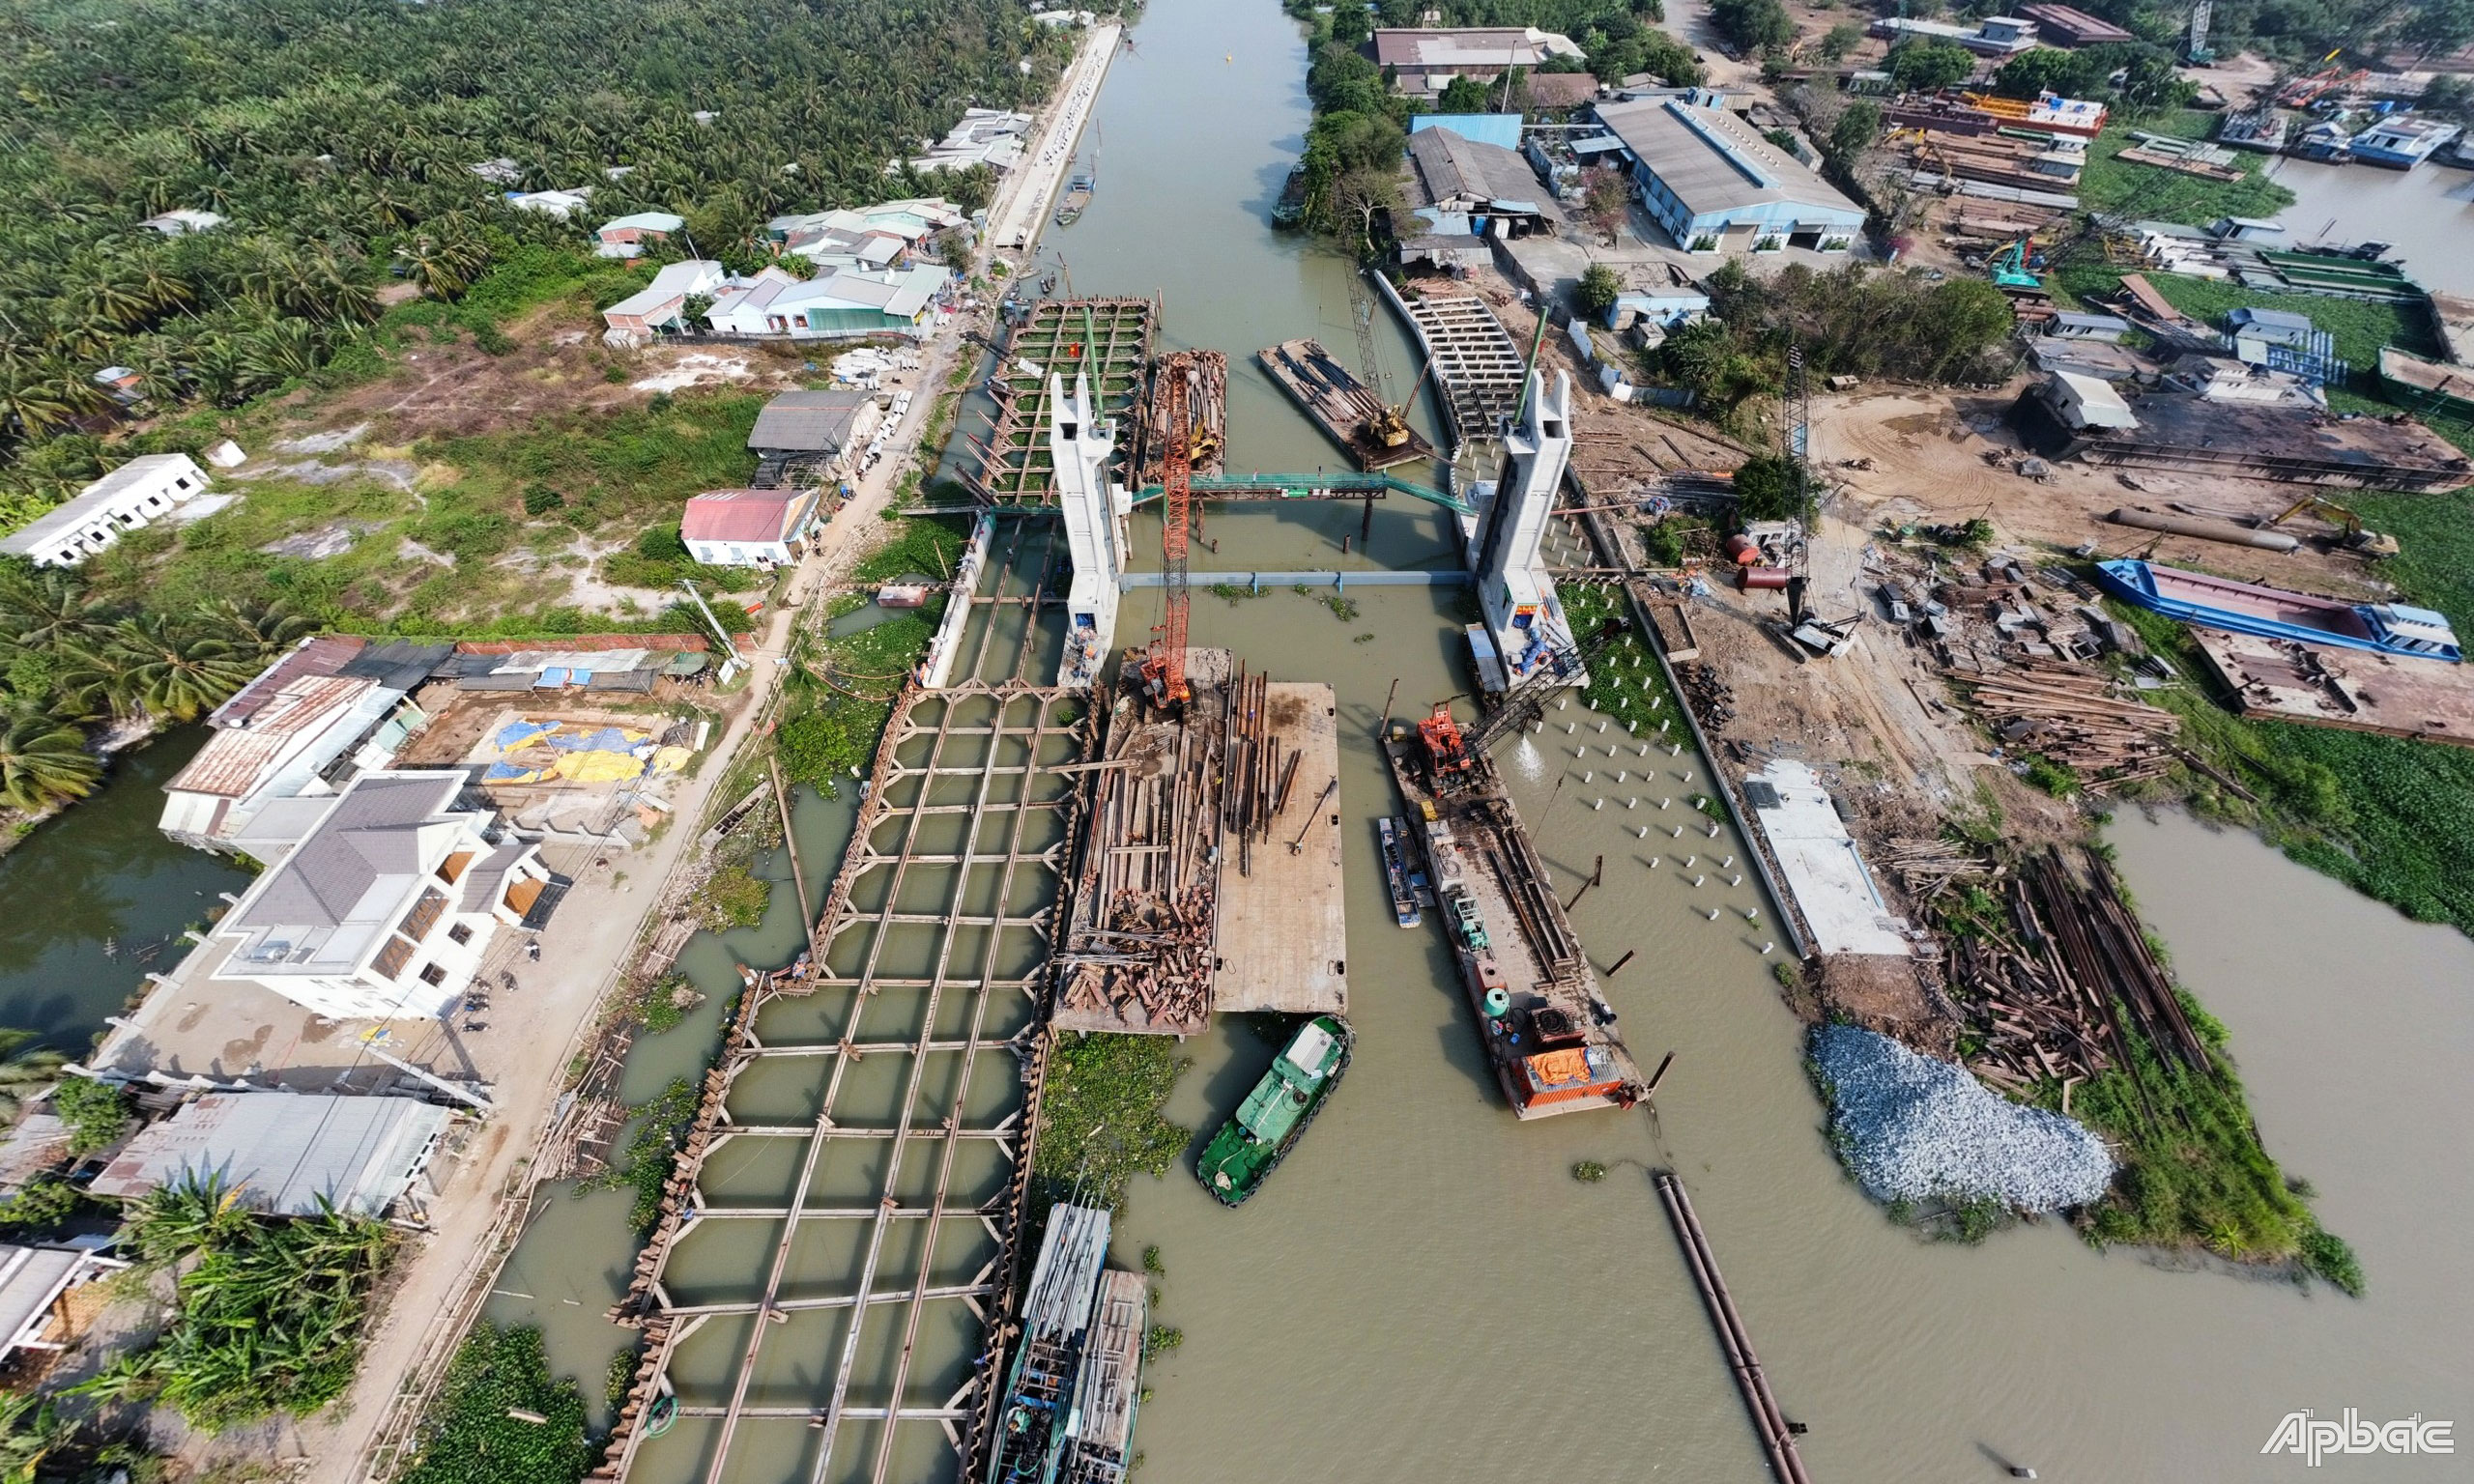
{"x": 1165, "y": 667}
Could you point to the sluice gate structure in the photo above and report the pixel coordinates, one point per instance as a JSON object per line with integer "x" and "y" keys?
{"x": 824, "y": 1297}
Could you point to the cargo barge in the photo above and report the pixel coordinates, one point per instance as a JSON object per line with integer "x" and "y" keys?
{"x": 1068, "y": 1411}
{"x": 1548, "y": 1032}
{"x": 1396, "y": 873}
{"x": 2273, "y": 612}
{"x": 1375, "y": 435}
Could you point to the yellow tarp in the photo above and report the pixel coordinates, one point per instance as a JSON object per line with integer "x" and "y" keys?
{"x": 597, "y": 767}
{"x": 670, "y": 760}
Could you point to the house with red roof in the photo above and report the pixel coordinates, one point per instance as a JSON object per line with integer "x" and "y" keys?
{"x": 749, "y": 527}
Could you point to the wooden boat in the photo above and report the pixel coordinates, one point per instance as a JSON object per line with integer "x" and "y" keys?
{"x": 1395, "y": 874}
{"x": 1274, "y": 1116}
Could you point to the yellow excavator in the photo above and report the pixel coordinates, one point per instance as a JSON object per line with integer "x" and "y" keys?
{"x": 2352, "y": 538}
{"x": 1388, "y": 428}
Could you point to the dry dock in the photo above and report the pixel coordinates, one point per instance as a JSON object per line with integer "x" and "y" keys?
{"x": 1340, "y": 405}
{"x": 1108, "y": 340}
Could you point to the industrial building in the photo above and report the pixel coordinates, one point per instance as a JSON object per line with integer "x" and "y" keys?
{"x": 2062, "y": 25}
{"x": 139, "y": 492}
{"x": 1716, "y": 185}
{"x": 1463, "y": 188}
{"x": 2213, "y": 415}
{"x": 1995, "y": 36}
{"x": 1423, "y": 62}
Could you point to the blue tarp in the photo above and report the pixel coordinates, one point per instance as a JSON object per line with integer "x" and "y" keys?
{"x": 515, "y": 734}
{"x": 1496, "y": 128}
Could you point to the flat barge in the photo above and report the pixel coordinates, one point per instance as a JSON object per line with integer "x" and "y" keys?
{"x": 1346, "y": 408}
{"x": 1207, "y": 373}
{"x": 2273, "y": 612}
{"x": 1549, "y": 1034}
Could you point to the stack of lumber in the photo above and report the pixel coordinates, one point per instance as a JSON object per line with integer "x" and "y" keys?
{"x": 2070, "y": 713}
{"x": 2031, "y": 1019}
{"x": 2099, "y": 940}
{"x": 1927, "y": 866}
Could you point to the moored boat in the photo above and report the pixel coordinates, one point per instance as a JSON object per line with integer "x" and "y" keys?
{"x": 1274, "y": 1116}
{"x": 2273, "y": 612}
{"x": 1289, "y": 211}
{"x": 1395, "y": 874}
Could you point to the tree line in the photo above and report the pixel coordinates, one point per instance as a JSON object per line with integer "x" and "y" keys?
{"x": 1354, "y": 150}
{"x": 337, "y": 138}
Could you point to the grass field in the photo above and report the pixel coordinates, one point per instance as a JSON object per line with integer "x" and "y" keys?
{"x": 2360, "y": 327}
{"x": 2152, "y": 193}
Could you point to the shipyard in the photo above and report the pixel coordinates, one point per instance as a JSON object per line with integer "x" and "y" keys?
{"x": 1515, "y": 738}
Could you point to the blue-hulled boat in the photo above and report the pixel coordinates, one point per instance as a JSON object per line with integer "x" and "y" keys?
{"x": 2272, "y": 613}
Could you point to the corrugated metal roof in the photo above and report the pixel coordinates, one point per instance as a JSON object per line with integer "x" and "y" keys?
{"x": 744, "y": 515}
{"x": 325, "y": 655}
{"x": 234, "y": 759}
{"x": 280, "y": 1152}
{"x": 1712, "y": 160}
{"x": 808, "y": 421}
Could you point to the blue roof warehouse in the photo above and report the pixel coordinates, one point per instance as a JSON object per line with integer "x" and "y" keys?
{"x": 1716, "y": 185}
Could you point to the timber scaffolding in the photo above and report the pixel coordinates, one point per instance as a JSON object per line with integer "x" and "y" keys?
{"x": 1207, "y": 400}
{"x": 1140, "y": 947}
{"x": 1480, "y": 370}
{"x": 1106, "y": 339}
{"x": 873, "y": 1172}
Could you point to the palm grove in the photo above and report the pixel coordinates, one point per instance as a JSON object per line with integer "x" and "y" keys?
{"x": 337, "y": 139}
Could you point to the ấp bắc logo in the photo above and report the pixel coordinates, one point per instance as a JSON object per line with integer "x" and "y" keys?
{"x": 2317, "y": 1437}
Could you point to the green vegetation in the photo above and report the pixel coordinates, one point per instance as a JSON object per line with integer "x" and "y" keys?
{"x": 41, "y": 1207}
{"x": 1757, "y": 25}
{"x": 2389, "y": 816}
{"x": 2328, "y": 1256}
{"x": 1099, "y": 1117}
{"x": 1344, "y": 609}
{"x": 270, "y": 1309}
{"x": 1588, "y": 1172}
{"x": 1161, "y": 1339}
{"x": 1854, "y": 320}
{"x": 1924, "y": 66}
{"x": 2359, "y": 327}
{"x": 2193, "y": 1170}
{"x": 664, "y": 1003}
{"x": 923, "y": 545}
{"x": 96, "y": 1112}
{"x": 2153, "y": 193}
{"x": 1773, "y": 487}
{"x": 25, "y": 1069}
{"x": 473, "y": 1435}
{"x": 1625, "y": 681}
{"x": 1151, "y": 1263}
{"x": 2148, "y": 79}
{"x": 733, "y": 897}
{"x": 336, "y": 138}
{"x": 1600, "y": 288}
{"x": 644, "y": 1164}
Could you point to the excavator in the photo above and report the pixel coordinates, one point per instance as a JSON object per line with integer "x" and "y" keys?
{"x": 1388, "y": 428}
{"x": 2008, "y": 268}
{"x": 2352, "y": 538}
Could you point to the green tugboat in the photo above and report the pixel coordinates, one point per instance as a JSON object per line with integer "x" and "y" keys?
{"x": 1250, "y": 1146}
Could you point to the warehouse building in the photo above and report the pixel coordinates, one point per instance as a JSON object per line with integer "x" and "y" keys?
{"x": 1716, "y": 185}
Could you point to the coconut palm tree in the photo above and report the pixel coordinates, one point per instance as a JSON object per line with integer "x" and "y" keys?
{"x": 43, "y": 759}
{"x": 160, "y": 666}
{"x": 46, "y": 612}
{"x": 261, "y": 635}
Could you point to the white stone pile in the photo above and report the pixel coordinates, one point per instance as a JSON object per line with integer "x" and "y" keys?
{"x": 1919, "y": 1129}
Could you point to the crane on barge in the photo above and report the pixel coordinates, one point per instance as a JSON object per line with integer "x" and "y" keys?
{"x": 1164, "y": 670}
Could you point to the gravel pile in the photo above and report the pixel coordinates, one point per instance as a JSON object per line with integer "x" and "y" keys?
{"x": 1915, "y": 1128}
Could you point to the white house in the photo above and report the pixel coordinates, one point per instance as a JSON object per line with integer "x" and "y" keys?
{"x": 748, "y": 528}
{"x": 625, "y": 237}
{"x": 656, "y": 307}
{"x": 844, "y": 303}
{"x": 139, "y": 492}
{"x": 182, "y": 221}
{"x": 386, "y": 906}
{"x": 557, "y": 204}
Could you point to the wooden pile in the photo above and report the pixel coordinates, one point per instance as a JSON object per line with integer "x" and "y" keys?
{"x": 2051, "y": 1001}
{"x": 1138, "y": 954}
{"x": 1927, "y": 866}
{"x": 1259, "y": 777}
{"x": 2070, "y": 713}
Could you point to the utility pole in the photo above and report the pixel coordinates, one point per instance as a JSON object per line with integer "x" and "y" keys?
{"x": 729, "y": 646}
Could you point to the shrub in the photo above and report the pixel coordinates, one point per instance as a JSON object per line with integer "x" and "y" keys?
{"x": 540, "y": 499}
{"x": 474, "y": 1435}
{"x": 96, "y": 1112}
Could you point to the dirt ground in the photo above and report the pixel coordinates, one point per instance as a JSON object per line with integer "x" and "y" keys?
{"x": 558, "y": 366}
{"x": 1929, "y": 452}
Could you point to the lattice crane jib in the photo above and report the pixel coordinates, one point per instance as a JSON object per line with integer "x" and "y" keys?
{"x": 1168, "y": 663}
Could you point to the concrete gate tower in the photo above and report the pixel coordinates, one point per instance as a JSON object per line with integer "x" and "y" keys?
{"x": 1079, "y": 444}
{"x": 1523, "y": 617}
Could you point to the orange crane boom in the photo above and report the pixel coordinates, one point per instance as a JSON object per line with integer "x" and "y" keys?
{"x": 1167, "y": 662}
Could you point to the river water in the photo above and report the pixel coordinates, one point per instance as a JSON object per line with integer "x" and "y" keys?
{"x": 1424, "y": 1291}
{"x": 2428, "y": 215}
